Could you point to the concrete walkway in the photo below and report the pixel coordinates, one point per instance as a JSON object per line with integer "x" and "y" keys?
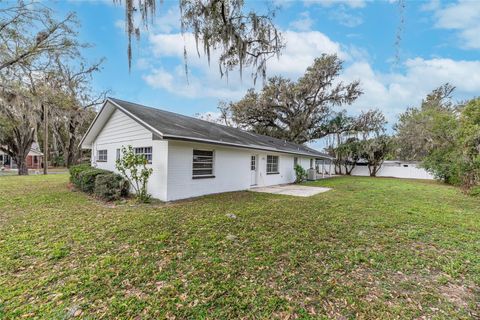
{"x": 291, "y": 190}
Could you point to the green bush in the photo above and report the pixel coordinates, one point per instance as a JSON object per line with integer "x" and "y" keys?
{"x": 75, "y": 173}
{"x": 300, "y": 173}
{"x": 87, "y": 179}
{"x": 58, "y": 161}
{"x": 110, "y": 186}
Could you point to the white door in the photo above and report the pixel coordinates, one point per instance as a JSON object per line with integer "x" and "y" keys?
{"x": 253, "y": 170}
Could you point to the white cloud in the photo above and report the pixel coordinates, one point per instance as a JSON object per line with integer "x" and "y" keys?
{"x": 168, "y": 22}
{"x": 160, "y": 79}
{"x": 355, "y": 4}
{"x": 346, "y": 19}
{"x": 393, "y": 92}
{"x": 431, "y": 5}
{"x": 204, "y": 80}
{"x": 305, "y": 23}
{"x": 301, "y": 49}
{"x": 463, "y": 17}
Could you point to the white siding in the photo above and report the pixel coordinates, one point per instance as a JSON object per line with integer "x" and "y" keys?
{"x": 121, "y": 130}
{"x": 231, "y": 170}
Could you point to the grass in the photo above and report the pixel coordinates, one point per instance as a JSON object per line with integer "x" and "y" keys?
{"x": 370, "y": 248}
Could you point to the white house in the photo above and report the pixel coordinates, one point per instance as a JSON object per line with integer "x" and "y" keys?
{"x": 192, "y": 157}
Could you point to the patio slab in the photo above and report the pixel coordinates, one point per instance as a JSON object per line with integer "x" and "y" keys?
{"x": 291, "y": 190}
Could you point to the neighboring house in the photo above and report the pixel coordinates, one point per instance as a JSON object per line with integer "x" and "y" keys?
{"x": 34, "y": 159}
{"x": 395, "y": 169}
{"x": 192, "y": 157}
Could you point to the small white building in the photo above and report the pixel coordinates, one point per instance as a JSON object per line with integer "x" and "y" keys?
{"x": 192, "y": 157}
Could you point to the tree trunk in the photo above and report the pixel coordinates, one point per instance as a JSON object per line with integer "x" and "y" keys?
{"x": 72, "y": 150}
{"x": 45, "y": 142}
{"x": 22, "y": 166}
{"x": 372, "y": 170}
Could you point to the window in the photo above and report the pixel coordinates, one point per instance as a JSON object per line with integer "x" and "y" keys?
{"x": 253, "y": 163}
{"x": 146, "y": 151}
{"x": 295, "y": 161}
{"x": 272, "y": 164}
{"x": 202, "y": 164}
{"x": 35, "y": 159}
{"x": 102, "y": 156}
{"x": 311, "y": 163}
{"x": 118, "y": 154}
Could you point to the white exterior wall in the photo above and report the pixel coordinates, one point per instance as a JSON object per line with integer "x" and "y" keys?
{"x": 121, "y": 130}
{"x": 231, "y": 170}
{"x": 172, "y": 162}
{"x": 410, "y": 172}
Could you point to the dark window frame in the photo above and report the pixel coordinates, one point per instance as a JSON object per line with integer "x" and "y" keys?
{"x": 203, "y": 164}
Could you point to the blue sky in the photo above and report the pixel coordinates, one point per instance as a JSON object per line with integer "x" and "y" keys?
{"x": 440, "y": 42}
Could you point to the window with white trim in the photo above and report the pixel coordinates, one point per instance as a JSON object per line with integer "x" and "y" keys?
{"x": 272, "y": 164}
{"x": 146, "y": 151}
{"x": 118, "y": 154}
{"x": 253, "y": 163}
{"x": 102, "y": 155}
{"x": 295, "y": 161}
{"x": 202, "y": 166}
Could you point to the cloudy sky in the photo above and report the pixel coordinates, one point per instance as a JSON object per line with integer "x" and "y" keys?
{"x": 440, "y": 43}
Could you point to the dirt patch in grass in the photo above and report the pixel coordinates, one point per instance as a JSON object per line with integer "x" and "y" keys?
{"x": 461, "y": 295}
{"x": 414, "y": 287}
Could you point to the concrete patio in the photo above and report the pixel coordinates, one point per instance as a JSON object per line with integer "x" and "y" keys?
{"x": 291, "y": 190}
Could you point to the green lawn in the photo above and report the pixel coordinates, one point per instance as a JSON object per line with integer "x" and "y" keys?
{"x": 371, "y": 248}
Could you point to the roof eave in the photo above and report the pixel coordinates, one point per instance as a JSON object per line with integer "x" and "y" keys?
{"x": 80, "y": 145}
{"x": 238, "y": 145}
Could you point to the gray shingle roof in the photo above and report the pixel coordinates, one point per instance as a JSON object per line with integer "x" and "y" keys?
{"x": 177, "y": 126}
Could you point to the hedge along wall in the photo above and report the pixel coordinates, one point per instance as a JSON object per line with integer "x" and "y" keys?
{"x": 103, "y": 183}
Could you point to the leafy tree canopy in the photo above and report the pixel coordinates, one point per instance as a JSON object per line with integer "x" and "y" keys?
{"x": 297, "y": 111}
{"x": 429, "y": 127}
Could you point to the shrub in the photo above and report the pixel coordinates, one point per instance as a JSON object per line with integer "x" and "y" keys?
{"x": 300, "y": 173}
{"x": 133, "y": 167}
{"x": 110, "y": 186}
{"x": 58, "y": 161}
{"x": 75, "y": 173}
{"x": 87, "y": 179}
